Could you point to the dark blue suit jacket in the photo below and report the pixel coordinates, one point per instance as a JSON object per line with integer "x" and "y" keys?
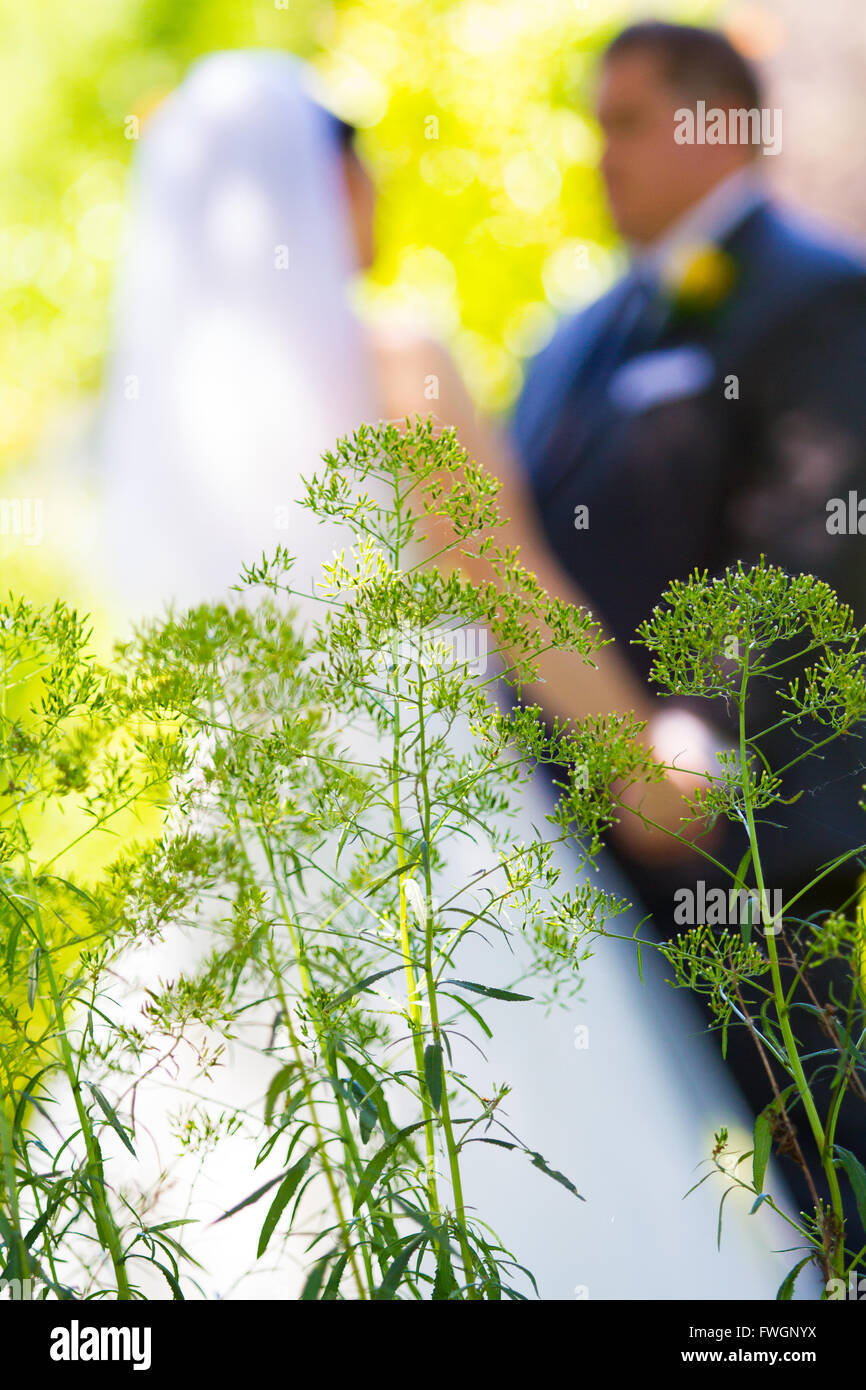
{"x": 633, "y": 421}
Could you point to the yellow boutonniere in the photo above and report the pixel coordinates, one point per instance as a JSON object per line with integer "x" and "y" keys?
{"x": 699, "y": 277}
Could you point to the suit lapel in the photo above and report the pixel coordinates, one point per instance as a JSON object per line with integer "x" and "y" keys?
{"x": 582, "y": 409}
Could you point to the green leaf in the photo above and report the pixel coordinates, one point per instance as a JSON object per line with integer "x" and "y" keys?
{"x": 433, "y": 1073}
{"x": 343, "y": 838}
{"x": 310, "y": 1291}
{"x": 538, "y": 1161}
{"x": 373, "y": 1091}
{"x": 490, "y": 1280}
{"x": 28, "y": 1098}
{"x": 72, "y": 887}
{"x": 374, "y": 1168}
{"x": 39, "y": 1226}
{"x": 332, "y": 1287}
{"x": 248, "y": 1201}
{"x": 171, "y": 1280}
{"x": 359, "y": 986}
{"x": 763, "y": 1148}
{"x": 286, "y": 1191}
{"x": 363, "y": 1107}
{"x": 11, "y": 945}
{"x": 165, "y": 1241}
{"x": 15, "y": 1267}
{"x": 490, "y": 991}
{"x": 111, "y": 1115}
{"x": 739, "y": 876}
{"x": 857, "y": 1178}
{"x": 279, "y": 1083}
{"x": 33, "y": 976}
{"x": 8, "y": 1232}
{"x": 386, "y": 878}
{"x": 282, "y": 1125}
{"x": 739, "y": 883}
{"x": 458, "y": 999}
{"x": 397, "y": 1268}
{"x": 694, "y": 1187}
{"x": 444, "y": 1284}
{"x": 297, "y": 867}
{"x": 12, "y": 941}
{"x": 725, "y": 1194}
{"x": 786, "y": 1288}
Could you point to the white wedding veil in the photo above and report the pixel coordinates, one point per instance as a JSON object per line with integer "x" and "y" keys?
{"x": 236, "y": 357}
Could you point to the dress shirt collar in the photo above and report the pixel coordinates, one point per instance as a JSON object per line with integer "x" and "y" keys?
{"x": 709, "y": 220}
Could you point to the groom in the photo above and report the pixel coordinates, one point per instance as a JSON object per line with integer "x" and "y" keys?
{"x": 710, "y": 408}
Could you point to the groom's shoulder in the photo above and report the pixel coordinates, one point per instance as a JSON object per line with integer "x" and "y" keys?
{"x": 799, "y": 283}
{"x": 795, "y": 257}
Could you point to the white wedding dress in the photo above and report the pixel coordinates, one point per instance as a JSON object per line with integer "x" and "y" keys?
{"x": 236, "y": 362}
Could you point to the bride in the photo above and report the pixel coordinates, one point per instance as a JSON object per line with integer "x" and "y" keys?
{"x": 237, "y": 361}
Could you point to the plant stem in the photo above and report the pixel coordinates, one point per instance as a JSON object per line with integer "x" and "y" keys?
{"x": 333, "y": 1187}
{"x": 348, "y": 1139}
{"x": 433, "y": 1003}
{"x": 106, "y": 1226}
{"x": 780, "y": 1000}
{"x": 327, "y": 1170}
{"x": 416, "y": 1021}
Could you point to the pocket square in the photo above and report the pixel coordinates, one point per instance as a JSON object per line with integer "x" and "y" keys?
{"x": 654, "y": 378}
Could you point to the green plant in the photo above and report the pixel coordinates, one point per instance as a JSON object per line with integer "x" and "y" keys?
{"x": 340, "y": 768}
{"x": 309, "y": 764}
{"x": 792, "y": 641}
{"x": 75, "y": 776}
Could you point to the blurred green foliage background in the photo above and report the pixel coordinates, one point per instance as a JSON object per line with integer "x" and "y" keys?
{"x": 476, "y": 121}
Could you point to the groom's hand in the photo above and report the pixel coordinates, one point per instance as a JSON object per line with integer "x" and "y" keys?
{"x": 657, "y": 825}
